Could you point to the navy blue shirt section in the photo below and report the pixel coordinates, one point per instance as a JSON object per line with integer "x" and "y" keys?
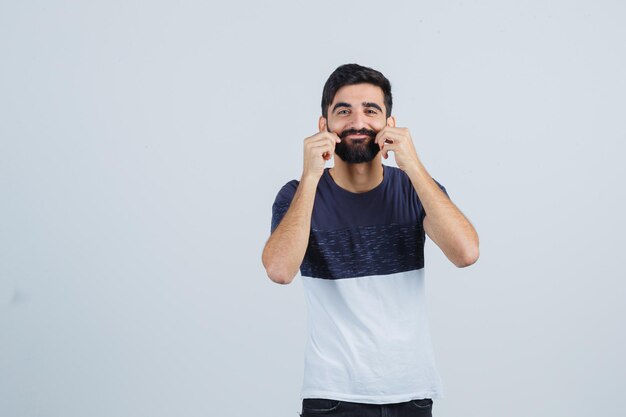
{"x": 378, "y": 232}
{"x": 364, "y": 251}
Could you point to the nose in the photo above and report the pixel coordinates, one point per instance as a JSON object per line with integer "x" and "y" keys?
{"x": 357, "y": 121}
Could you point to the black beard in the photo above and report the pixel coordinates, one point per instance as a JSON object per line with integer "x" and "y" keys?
{"x": 357, "y": 153}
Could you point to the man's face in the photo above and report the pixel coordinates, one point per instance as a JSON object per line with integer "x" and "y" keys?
{"x": 356, "y": 115}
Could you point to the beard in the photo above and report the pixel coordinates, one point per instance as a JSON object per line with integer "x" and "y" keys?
{"x": 357, "y": 152}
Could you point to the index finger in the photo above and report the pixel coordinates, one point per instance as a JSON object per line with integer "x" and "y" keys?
{"x": 380, "y": 136}
{"x": 335, "y": 138}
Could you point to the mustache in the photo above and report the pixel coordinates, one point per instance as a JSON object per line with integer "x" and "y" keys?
{"x": 363, "y": 131}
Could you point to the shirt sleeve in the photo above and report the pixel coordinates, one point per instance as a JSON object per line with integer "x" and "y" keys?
{"x": 282, "y": 202}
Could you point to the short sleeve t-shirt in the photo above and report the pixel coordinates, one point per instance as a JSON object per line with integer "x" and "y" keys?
{"x": 363, "y": 278}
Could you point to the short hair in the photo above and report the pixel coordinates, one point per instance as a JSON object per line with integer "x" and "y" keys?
{"x": 350, "y": 74}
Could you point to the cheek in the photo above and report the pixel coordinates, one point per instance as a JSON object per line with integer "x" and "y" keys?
{"x": 379, "y": 125}
{"x": 336, "y": 126}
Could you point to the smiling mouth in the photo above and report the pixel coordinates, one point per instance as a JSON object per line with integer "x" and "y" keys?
{"x": 357, "y": 138}
{"x": 357, "y": 135}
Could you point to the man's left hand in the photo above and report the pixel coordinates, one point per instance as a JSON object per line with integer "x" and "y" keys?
{"x": 398, "y": 140}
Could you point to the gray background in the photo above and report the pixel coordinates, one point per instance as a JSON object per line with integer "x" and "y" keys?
{"x": 142, "y": 145}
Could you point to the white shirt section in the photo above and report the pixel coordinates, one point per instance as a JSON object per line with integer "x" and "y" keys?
{"x": 369, "y": 340}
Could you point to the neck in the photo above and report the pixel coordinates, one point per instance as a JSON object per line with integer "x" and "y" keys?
{"x": 357, "y": 178}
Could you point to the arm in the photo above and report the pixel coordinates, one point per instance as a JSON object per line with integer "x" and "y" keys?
{"x": 285, "y": 249}
{"x": 444, "y": 223}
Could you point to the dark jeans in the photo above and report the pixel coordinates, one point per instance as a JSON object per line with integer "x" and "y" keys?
{"x": 320, "y": 407}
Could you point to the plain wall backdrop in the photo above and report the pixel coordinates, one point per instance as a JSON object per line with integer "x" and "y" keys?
{"x": 142, "y": 145}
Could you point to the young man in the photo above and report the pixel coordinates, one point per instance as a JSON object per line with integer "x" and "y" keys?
{"x": 356, "y": 232}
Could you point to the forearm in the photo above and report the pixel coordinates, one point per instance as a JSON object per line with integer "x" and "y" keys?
{"x": 285, "y": 249}
{"x": 444, "y": 222}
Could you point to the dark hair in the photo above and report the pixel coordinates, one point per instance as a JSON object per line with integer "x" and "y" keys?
{"x": 350, "y": 74}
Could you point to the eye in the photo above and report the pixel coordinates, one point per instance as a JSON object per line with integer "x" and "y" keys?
{"x": 343, "y": 111}
{"x": 371, "y": 111}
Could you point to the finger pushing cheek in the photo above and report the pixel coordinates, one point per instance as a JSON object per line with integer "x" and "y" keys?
{"x": 333, "y": 137}
{"x": 380, "y": 138}
{"x": 332, "y": 143}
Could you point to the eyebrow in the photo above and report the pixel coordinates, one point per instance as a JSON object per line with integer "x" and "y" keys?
{"x": 364, "y": 104}
{"x": 374, "y": 105}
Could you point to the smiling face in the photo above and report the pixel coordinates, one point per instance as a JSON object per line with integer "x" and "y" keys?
{"x": 356, "y": 114}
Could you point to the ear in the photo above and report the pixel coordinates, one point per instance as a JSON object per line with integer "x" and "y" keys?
{"x": 321, "y": 124}
{"x": 391, "y": 121}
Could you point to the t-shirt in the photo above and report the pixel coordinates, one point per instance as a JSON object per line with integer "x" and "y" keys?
{"x": 363, "y": 279}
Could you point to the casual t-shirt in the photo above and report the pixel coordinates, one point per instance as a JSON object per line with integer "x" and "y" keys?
{"x": 363, "y": 278}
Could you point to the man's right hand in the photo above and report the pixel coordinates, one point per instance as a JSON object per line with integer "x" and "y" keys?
{"x": 318, "y": 149}
{"x": 285, "y": 249}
